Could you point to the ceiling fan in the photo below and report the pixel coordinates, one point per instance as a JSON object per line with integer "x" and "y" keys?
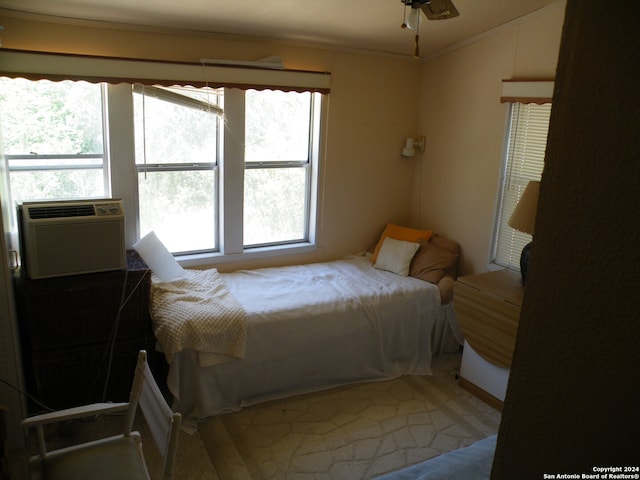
{"x": 432, "y": 9}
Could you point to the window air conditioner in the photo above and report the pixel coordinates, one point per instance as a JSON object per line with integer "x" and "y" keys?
{"x": 60, "y": 238}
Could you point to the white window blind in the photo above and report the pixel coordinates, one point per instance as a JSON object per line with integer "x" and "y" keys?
{"x": 524, "y": 161}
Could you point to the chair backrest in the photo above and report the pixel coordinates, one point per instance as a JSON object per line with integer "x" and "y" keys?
{"x": 163, "y": 423}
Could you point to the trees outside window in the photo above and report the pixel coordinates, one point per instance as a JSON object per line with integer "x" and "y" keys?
{"x": 52, "y": 139}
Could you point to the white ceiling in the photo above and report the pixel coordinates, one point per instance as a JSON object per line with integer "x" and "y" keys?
{"x": 366, "y": 24}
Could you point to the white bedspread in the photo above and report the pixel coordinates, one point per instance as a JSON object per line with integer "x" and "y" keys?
{"x": 314, "y": 327}
{"x": 198, "y": 313}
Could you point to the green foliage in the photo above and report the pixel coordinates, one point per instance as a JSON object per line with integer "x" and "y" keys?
{"x": 170, "y": 133}
{"x": 52, "y": 118}
{"x": 277, "y": 125}
{"x": 274, "y": 205}
{"x": 56, "y": 184}
{"x": 49, "y": 118}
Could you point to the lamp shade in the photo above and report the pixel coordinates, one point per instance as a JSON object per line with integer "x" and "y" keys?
{"x": 523, "y": 217}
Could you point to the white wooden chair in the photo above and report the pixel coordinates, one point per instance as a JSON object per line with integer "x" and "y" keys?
{"x": 117, "y": 457}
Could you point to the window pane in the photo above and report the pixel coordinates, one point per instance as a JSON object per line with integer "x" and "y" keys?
{"x": 180, "y": 207}
{"x": 528, "y": 127}
{"x": 173, "y": 131}
{"x": 52, "y": 137}
{"x": 48, "y": 118}
{"x": 59, "y": 184}
{"x": 168, "y": 132}
{"x": 275, "y": 205}
{"x": 277, "y": 126}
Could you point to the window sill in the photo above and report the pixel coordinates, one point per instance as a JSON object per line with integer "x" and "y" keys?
{"x": 492, "y": 267}
{"x": 201, "y": 259}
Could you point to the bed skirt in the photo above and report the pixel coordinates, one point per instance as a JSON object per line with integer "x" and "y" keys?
{"x": 200, "y": 393}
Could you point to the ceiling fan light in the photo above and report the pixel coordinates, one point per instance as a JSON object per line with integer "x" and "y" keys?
{"x": 413, "y": 19}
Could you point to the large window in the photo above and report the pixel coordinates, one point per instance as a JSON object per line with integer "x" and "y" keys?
{"x": 177, "y": 137}
{"x": 52, "y": 135}
{"x": 209, "y": 170}
{"x": 179, "y": 155}
{"x": 277, "y": 166}
{"x": 524, "y": 161}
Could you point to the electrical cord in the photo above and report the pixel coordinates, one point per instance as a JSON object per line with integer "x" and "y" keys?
{"x": 111, "y": 342}
{"x": 110, "y": 349}
{"x": 49, "y": 409}
{"x": 114, "y": 333}
{"x": 28, "y": 395}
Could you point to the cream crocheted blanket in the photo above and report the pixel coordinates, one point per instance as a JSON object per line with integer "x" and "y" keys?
{"x": 198, "y": 313}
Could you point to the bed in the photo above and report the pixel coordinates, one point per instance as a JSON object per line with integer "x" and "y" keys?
{"x": 306, "y": 328}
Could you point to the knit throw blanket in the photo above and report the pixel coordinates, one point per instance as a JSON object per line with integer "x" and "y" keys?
{"x": 198, "y": 313}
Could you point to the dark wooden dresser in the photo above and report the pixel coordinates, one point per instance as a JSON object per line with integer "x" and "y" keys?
{"x": 71, "y": 326}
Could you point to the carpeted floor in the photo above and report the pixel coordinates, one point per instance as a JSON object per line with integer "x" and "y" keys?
{"x": 349, "y": 433}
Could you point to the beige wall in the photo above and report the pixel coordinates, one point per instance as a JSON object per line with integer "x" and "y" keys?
{"x": 464, "y": 123}
{"x": 365, "y": 183}
{"x": 375, "y": 102}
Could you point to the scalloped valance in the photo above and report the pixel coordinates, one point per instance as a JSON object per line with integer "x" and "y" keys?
{"x": 63, "y": 66}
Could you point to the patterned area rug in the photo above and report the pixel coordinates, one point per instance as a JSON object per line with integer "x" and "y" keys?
{"x": 349, "y": 433}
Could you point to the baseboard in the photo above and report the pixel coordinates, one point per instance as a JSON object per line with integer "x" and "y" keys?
{"x": 486, "y": 397}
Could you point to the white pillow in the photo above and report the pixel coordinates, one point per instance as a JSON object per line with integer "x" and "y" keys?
{"x": 396, "y": 255}
{"x": 158, "y": 258}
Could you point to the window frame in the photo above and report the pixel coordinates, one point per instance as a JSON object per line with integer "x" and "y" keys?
{"x": 120, "y": 73}
{"x": 103, "y": 166}
{"x": 309, "y": 165}
{"x": 232, "y": 169}
{"x": 166, "y": 94}
{"x": 530, "y": 170}
{"x": 230, "y": 242}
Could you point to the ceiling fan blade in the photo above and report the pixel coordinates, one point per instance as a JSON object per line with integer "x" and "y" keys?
{"x": 439, "y": 9}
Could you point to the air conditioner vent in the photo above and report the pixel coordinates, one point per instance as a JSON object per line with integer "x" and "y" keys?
{"x": 62, "y": 211}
